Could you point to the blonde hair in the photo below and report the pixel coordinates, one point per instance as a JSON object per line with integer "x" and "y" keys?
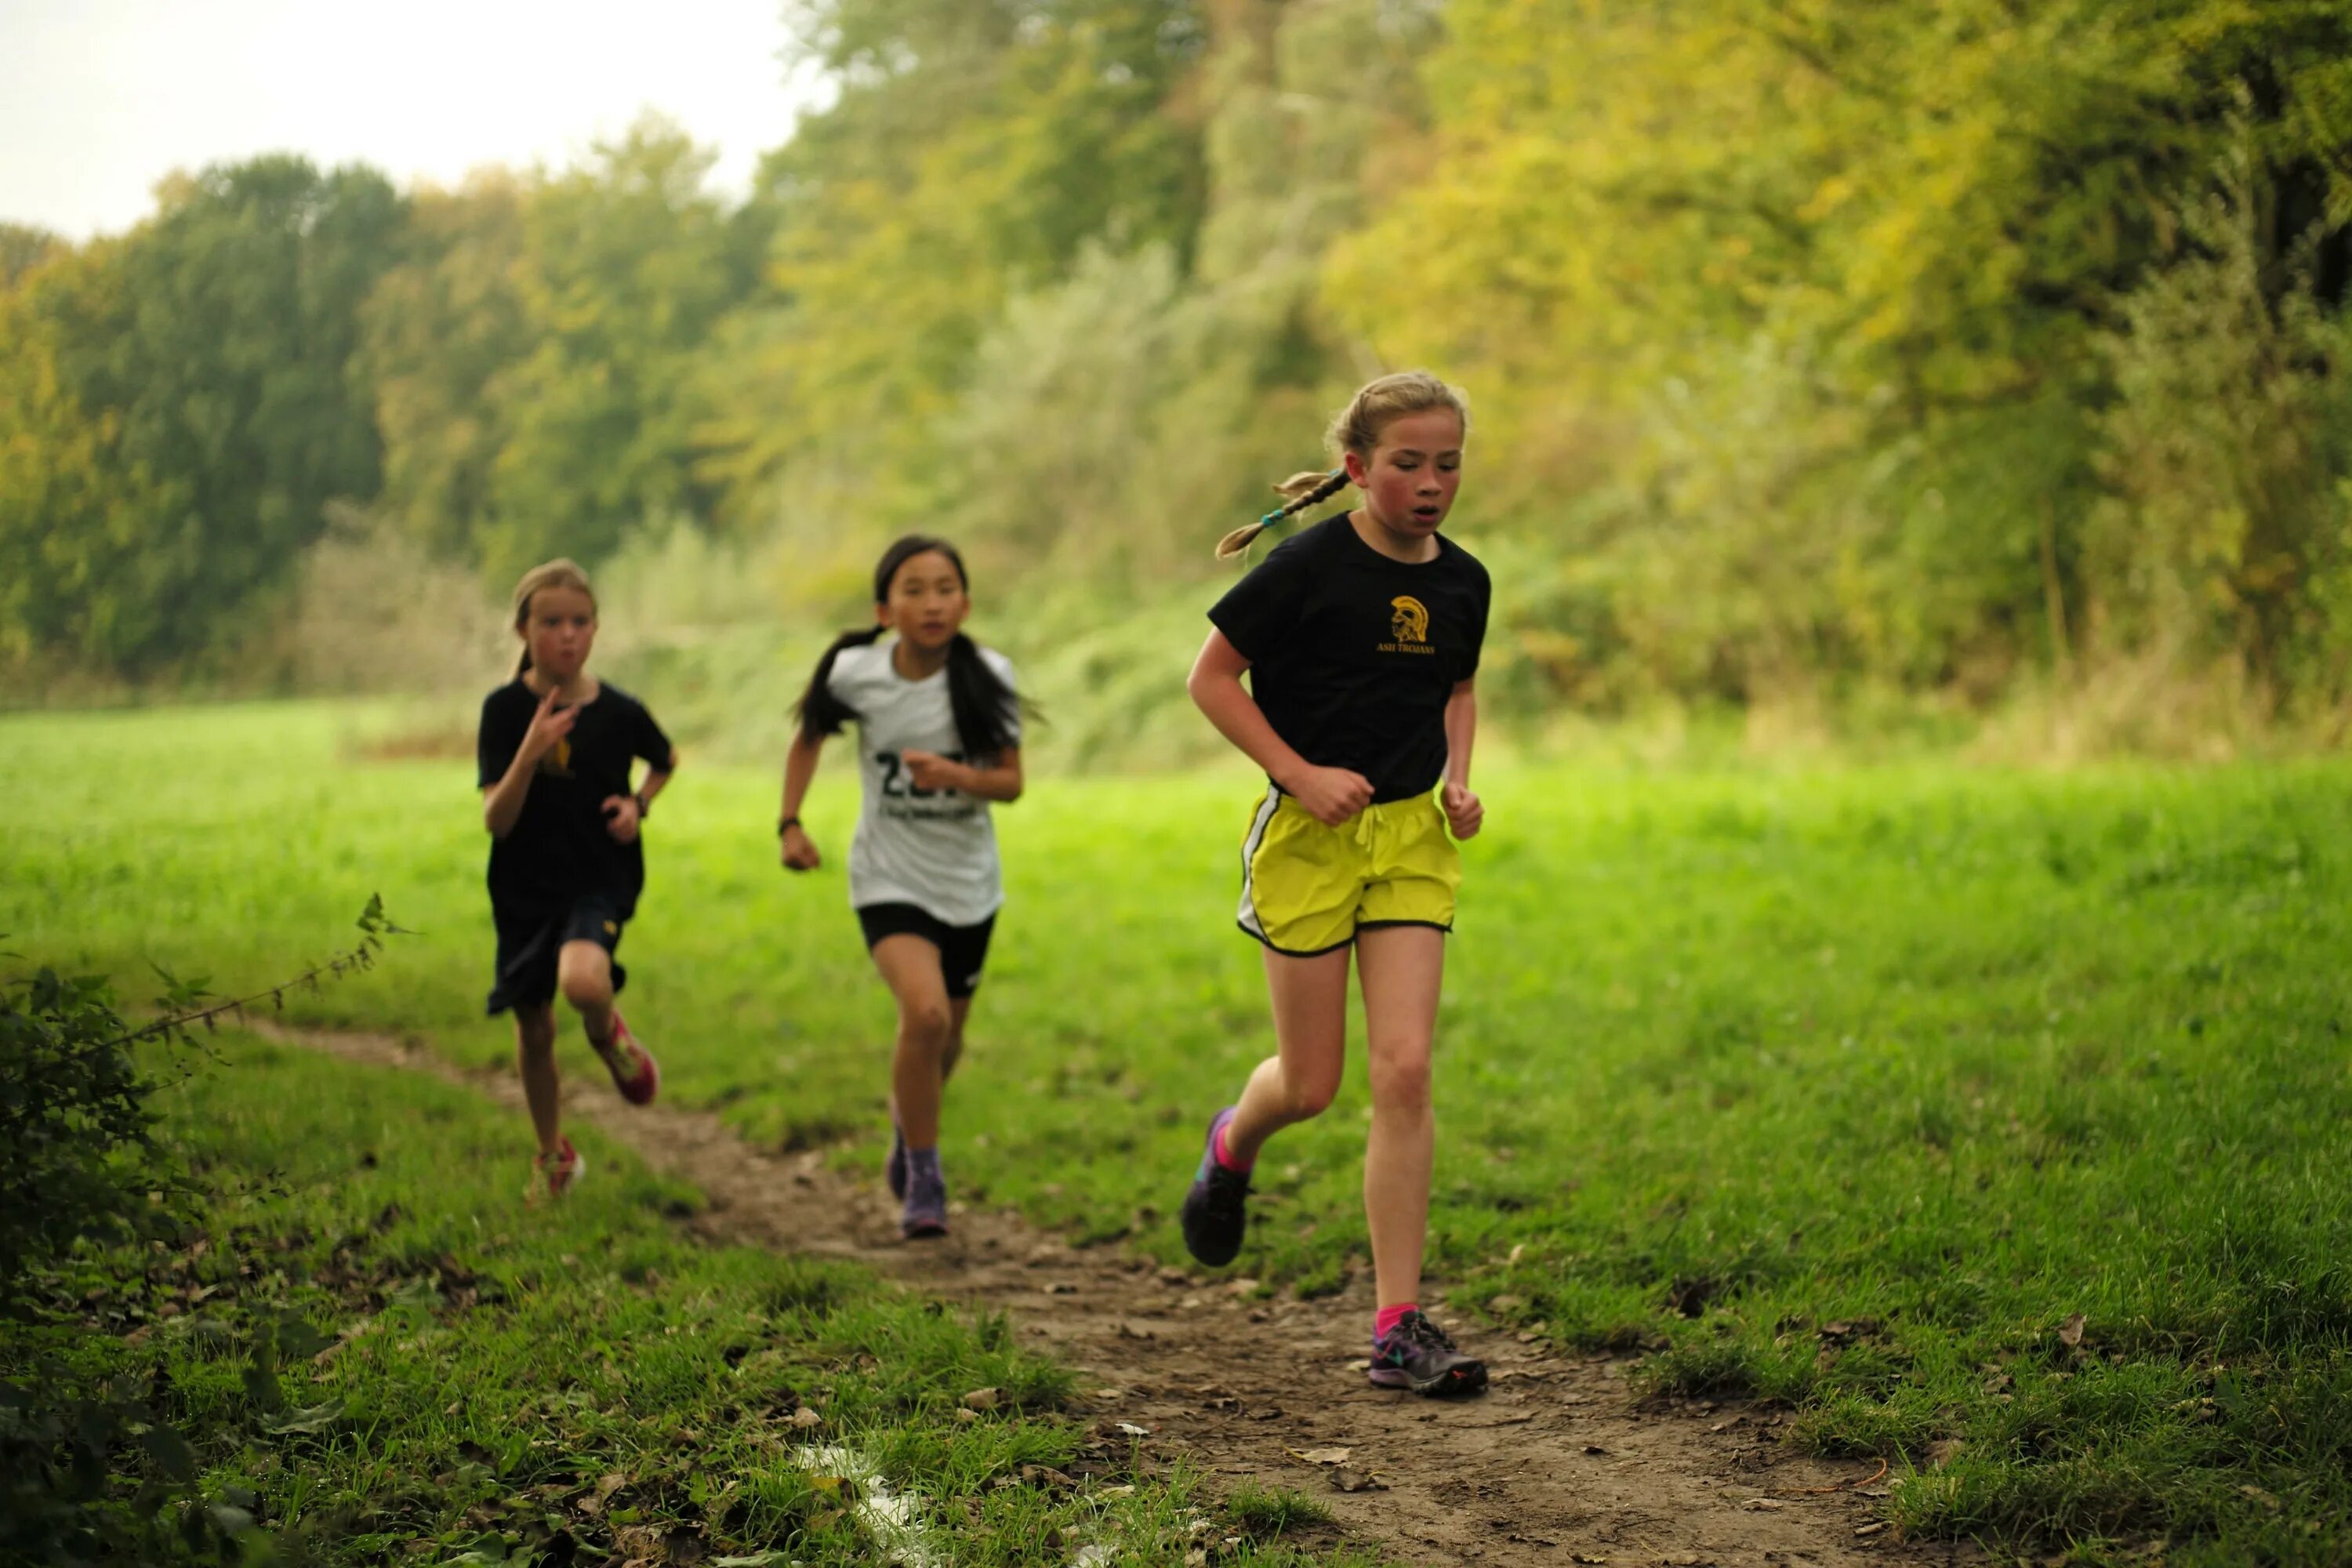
{"x": 560, "y": 572}
{"x": 1357, "y": 428}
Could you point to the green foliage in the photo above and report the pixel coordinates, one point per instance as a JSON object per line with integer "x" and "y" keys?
{"x": 1825, "y": 357}
{"x": 82, "y": 1173}
{"x": 183, "y": 410}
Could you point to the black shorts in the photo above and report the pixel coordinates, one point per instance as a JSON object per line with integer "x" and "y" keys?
{"x": 962, "y": 949}
{"x": 532, "y": 942}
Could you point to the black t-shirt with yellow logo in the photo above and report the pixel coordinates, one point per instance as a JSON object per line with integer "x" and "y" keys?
{"x": 559, "y": 849}
{"x": 1353, "y": 655}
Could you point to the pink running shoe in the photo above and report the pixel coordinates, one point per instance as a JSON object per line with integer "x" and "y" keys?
{"x": 634, "y": 1072}
{"x": 552, "y": 1174}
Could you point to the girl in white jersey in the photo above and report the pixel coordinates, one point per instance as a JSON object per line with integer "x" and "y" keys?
{"x": 938, "y": 730}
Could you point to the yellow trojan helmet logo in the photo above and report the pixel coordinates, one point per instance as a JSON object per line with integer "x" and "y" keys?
{"x": 1410, "y": 622}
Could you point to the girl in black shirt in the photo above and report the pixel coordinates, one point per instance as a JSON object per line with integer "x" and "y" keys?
{"x": 1360, "y": 638}
{"x": 566, "y": 866}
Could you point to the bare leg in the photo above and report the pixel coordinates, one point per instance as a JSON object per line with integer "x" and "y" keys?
{"x": 958, "y": 1010}
{"x": 535, "y": 1051}
{"x": 910, "y": 967}
{"x": 1310, "y": 1034}
{"x": 1402, "y": 969}
{"x": 584, "y": 971}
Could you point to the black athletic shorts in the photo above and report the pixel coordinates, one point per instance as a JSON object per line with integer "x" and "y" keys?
{"x": 962, "y": 949}
{"x": 531, "y": 943}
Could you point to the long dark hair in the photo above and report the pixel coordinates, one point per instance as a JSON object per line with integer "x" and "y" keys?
{"x": 985, "y": 708}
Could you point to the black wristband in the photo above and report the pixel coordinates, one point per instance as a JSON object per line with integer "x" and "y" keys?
{"x": 640, "y": 798}
{"x": 787, "y": 823}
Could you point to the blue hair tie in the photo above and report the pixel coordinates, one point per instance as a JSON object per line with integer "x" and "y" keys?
{"x": 1241, "y": 539}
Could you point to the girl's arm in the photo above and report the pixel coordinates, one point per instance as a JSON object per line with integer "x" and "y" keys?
{"x": 1464, "y": 813}
{"x": 1332, "y": 795}
{"x": 1000, "y": 781}
{"x": 502, "y": 802}
{"x": 623, "y": 812}
{"x": 798, "y": 851}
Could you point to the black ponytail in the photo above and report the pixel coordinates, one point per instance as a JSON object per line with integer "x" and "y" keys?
{"x": 821, "y": 713}
{"x": 986, "y": 709}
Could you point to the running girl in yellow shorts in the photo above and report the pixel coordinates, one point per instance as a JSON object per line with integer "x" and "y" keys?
{"x": 1360, "y": 638}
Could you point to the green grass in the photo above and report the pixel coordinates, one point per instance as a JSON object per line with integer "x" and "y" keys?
{"x": 581, "y": 1380}
{"x": 1727, "y": 1060}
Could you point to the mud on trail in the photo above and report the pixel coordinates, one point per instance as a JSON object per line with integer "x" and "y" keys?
{"x": 1557, "y": 1463}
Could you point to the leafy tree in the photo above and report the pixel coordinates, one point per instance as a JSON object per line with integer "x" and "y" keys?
{"x": 190, "y": 409}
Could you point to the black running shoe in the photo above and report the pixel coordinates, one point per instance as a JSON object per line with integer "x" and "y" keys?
{"x": 1213, "y": 1221}
{"x": 1418, "y": 1354}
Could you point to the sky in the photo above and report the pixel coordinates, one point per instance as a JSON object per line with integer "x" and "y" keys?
{"x": 100, "y": 99}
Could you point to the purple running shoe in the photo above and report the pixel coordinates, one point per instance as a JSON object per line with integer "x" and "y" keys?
{"x": 1419, "y": 1355}
{"x": 1213, "y": 1217}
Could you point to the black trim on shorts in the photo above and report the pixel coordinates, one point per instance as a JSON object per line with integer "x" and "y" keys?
{"x": 963, "y": 950}
{"x": 1360, "y": 926}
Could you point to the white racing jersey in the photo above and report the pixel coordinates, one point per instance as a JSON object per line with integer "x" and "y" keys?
{"x": 933, "y": 848}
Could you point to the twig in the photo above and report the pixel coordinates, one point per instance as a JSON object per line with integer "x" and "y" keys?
{"x": 373, "y": 922}
{"x": 1841, "y": 1485}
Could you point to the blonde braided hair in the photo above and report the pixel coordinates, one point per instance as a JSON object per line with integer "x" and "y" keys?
{"x": 1356, "y": 429}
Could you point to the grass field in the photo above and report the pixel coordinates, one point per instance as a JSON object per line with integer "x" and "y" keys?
{"x": 1995, "y": 1120}
{"x": 576, "y": 1382}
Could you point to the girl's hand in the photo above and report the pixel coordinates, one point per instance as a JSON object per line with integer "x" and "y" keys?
{"x": 928, "y": 770}
{"x": 548, "y": 726}
{"x": 1464, "y": 812}
{"x": 620, "y": 817}
{"x": 799, "y": 852}
{"x": 1331, "y": 795}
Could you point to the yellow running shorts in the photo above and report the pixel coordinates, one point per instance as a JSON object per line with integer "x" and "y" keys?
{"x": 1308, "y": 888}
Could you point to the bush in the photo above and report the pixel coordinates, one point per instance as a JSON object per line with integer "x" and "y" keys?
{"x": 80, "y": 1171}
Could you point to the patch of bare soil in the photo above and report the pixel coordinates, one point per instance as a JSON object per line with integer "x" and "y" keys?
{"x": 1557, "y": 1463}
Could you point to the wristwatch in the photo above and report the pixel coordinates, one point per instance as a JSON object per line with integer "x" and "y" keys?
{"x": 640, "y": 798}
{"x": 787, "y": 822}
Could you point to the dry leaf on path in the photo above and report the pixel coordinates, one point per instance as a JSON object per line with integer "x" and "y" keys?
{"x": 2070, "y": 1333}
{"x": 1323, "y": 1456}
{"x": 1349, "y": 1480}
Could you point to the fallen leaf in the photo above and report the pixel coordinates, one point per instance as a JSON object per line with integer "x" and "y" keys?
{"x": 1763, "y": 1505}
{"x": 1942, "y": 1452}
{"x": 1347, "y": 1480}
{"x": 2070, "y": 1333}
{"x": 983, "y": 1399}
{"x": 805, "y": 1418}
{"x": 1872, "y": 1529}
{"x": 1132, "y": 1430}
{"x": 1327, "y": 1455}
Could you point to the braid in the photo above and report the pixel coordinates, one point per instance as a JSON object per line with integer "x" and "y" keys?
{"x": 1358, "y": 430}
{"x": 1319, "y": 487}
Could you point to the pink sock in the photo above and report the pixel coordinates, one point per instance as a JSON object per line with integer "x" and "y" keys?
{"x": 1388, "y": 1318}
{"x": 1225, "y": 1155}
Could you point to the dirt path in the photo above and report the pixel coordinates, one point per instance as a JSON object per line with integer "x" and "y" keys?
{"x": 1556, "y": 1463}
